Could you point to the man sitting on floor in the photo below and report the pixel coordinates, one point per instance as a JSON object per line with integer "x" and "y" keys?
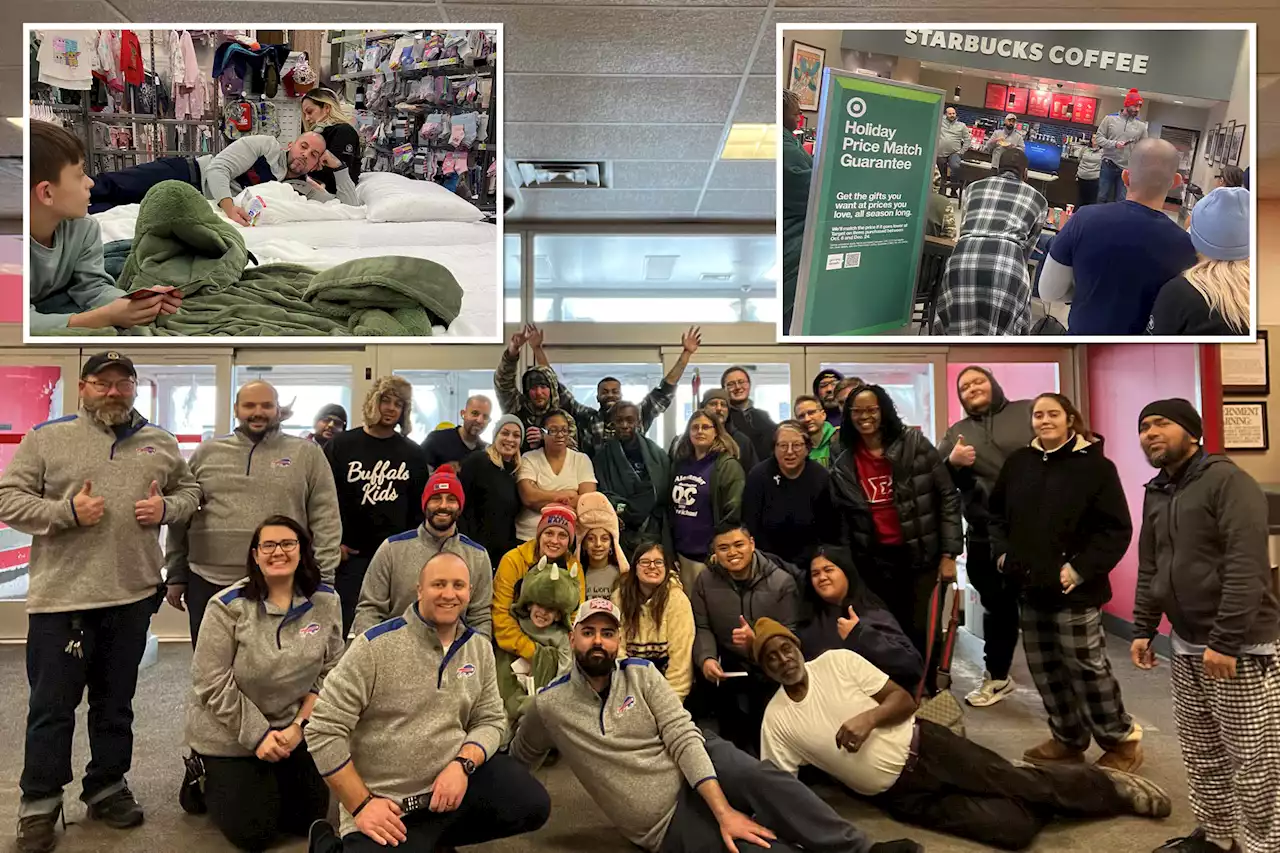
{"x": 248, "y": 161}
{"x": 666, "y": 786}
{"x": 843, "y": 716}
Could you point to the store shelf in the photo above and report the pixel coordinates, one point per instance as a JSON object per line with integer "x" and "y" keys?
{"x": 480, "y": 66}
{"x": 371, "y": 36}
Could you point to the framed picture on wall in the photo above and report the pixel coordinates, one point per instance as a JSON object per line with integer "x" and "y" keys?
{"x": 1224, "y": 138}
{"x": 805, "y": 77}
{"x": 1244, "y": 426}
{"x": 1236, "y": 144}
{"x": 1245, "y": 367}
{"x": 1210, "y": 141}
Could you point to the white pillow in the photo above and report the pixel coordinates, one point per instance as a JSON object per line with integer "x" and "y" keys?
{"x": 394, "y": 198}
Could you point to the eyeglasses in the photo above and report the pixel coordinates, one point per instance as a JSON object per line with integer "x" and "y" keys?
{"x": 737, "y": 383}
{"x": 702, "y": 428}
{"x": 124, "y": 386}
{"x": 338, "y": 422}
{"x": 286, "y": 545}
{"x": 652, "y": 564}
{"x": 557, "y": 432}
{"x": 793, "y": 447}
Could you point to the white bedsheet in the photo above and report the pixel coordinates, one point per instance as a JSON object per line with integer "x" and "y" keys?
{"x": 469, "y": 250}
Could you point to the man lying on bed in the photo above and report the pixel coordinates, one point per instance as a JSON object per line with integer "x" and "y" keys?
{"x": 248, "y": 161}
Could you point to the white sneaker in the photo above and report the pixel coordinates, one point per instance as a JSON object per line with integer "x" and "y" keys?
{"x": 991, "y": 691}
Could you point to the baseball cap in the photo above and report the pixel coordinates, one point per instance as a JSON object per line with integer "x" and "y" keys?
{"x": 592, "y": 606}
{"x": 100, "y": 362}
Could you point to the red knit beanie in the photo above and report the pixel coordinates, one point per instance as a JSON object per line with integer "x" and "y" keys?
{"x": 1133, "y": 99}
{"x": 444, "y": 481}
{"x": 554, "y": 515}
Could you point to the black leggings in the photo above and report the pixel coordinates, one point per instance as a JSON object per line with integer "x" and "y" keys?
{"x": 253, "y": 801}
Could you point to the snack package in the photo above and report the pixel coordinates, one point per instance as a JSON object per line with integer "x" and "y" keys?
{"x": 255, "y": 208}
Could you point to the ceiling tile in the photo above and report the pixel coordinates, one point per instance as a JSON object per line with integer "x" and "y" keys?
{"x": 631, "y": 100}
{"x": 658, "y": 174}
{"x": 622, "y": 40}
{"x": 601, "y": 204}
{"x": 750, "y": 204}
{"x": 608, "y": 142}
{"x": 744, "y": 175}
{"x": 759, "y": 102}
{"x": 13, "y": 14}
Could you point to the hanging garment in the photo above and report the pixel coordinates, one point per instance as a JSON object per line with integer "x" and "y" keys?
{"x": 66, "y": 58}
{"x": 107, "y": 59}
{"x": 131, "y": 66}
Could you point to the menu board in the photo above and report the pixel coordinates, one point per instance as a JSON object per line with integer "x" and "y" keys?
{"x": 1083, "y": 109}
{"x": 1017, "y": 101}
{"x": 1038, "y": 103}
{"x": 1060, "y": 108}
{"x": 996, "y": 94}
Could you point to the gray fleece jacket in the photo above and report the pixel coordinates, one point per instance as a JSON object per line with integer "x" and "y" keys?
{"x": 116, "y": 561}
{"x": 257, "y": 159}
{"x": 400, "y": 706}
{"x": 391, "y": 581}
{"x": 634, "y": 751}
{"x": 255, "y": 663}
{"x": 245, "y": 482}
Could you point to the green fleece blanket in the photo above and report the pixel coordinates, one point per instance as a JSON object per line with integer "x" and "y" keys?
{"x": 180, "y": 240}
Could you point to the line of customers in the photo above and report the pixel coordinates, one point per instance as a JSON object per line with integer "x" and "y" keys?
{"x": 1057, "y": 524}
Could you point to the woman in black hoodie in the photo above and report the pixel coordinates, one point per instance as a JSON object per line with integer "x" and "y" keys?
{"x": 896, "y": 509}
{"x": 1059, "y": 525}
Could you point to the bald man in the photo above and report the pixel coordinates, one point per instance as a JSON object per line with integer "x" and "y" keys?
{"x": 221, "y": 177}
{"x": 255, "y": 472}
{"x": 1111, "y": 260}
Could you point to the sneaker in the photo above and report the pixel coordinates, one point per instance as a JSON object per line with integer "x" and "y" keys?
{"x": 1054, "y": 752}
{"x": 1125, "y": 756}
{"x": 992, "y": 691}
{"x": 1196, "y": 842}
{"x": 37, "y": 833}
{"x": 118, "y": 811}
{"x": 1146, "y": 798}
{"x": 902, "y": 845}
{"x": 321, "y": 838}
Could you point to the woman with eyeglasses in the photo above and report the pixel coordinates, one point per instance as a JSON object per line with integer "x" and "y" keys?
{"x": 657, "y": 618}
{"x": 1229, "y": 176}
{"x": 555, "y": 473}
{"x": 786, "y": 503}
{"x": 266, "y": 644}
{"x": 897, "y": 510}
{"x": 705, "y": 491}
{"x": 325, "y": 113}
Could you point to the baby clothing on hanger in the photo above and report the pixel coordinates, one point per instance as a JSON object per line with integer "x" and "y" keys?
{"x": 66, "y": 58}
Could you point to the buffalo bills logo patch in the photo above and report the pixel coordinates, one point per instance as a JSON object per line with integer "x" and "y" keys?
{"x": 148, "y": 450}
{"x": 309, "y": 630}
{"x": 282, "y": 463}
{"x": 627, "y": 705}
{"x": 466, "y": 670}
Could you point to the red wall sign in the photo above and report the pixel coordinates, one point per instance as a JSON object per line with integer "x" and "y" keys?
{"x": 1060, "y": 110}
{"x": 1038, "y": 103}
{"x": 1083, "y": 109}
{"x": 1017, "y": 101}
{"x": 996, "y": 94}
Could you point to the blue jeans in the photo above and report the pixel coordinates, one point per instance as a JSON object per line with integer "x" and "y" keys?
{"x": 949, "y": 166}
{"x": 1111, "y": 183}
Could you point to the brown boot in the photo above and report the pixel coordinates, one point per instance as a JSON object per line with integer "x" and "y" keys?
{"x": 1054, "y": 752}
{"x": 1125, "y": 756}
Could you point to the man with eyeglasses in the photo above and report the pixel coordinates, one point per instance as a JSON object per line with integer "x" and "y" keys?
{"x": 754, "y": 423}
{"x": 330, "y": 421}
{"x": 92, "y": 490}
{"x": 822, "y": 435}
{"x": 255, "y": 472}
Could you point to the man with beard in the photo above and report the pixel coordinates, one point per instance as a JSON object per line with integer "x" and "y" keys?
{"x": 449, "y": 446}
{"x": 539, "y": 392}
{"x": 844, "y": 388}
{"x": 330, "y": 421}
{"x": 824, "y": 388}
{"x": 391, "y": 581}
{"x": 92, "y": 490}
{"x": 754, "y": 423}
{"x": 407, "y": 728}
{"x": 975, "y": 448}
{"x": 631, "y": 471}
{"x": 1202, "y": 561}
{"x": 380, "y": 475}
{"x": 841, "y": 715}
{"x": 255, "y": 472}
{"x": 666, "y": 786}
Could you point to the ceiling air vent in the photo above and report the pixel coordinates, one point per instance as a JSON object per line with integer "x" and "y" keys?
{"x": 554, "y": 175}
{"x": 716, "y": 276}
{"x": 659, "y": 267}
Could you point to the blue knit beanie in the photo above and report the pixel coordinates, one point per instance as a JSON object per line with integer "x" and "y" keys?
{"x": 1220, "y": 224}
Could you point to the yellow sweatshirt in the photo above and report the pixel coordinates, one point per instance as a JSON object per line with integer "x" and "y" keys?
{"x": 515, "y": 564}
{"x": 672, "y": 643}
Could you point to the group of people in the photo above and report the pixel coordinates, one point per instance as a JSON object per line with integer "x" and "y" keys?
{"x": 70, "y": 287}
{"x": 411, "y": 629}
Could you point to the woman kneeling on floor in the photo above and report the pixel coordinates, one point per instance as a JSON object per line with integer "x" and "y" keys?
{"x": 266, "y": 644}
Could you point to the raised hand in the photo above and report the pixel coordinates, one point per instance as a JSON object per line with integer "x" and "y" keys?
{"x": 691, "y": 339}
{"x": 88, "y": 508}
{"x": 743, "y": 635}
{"x": 150, "y": 510}
{"x": 962, "y": 455}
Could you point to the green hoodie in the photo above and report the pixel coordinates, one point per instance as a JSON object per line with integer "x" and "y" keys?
{"x": 821, "y": 453}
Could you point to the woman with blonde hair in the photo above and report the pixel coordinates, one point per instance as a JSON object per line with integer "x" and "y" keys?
{"x": 1211, "y": 298}
{"x": 488, "y": 477}
{"x": 705, "y": 490}
{"x": 325, "y": 113}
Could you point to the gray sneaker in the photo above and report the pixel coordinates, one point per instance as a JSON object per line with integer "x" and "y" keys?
{"x": 38, "y": 833}
{"x": 1145, "y": 797}
{"x": 991, "y": 691}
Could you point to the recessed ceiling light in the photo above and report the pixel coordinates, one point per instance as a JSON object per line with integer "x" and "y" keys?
{"x": 1177, "y": 102}
{"x": 751, "y": 142}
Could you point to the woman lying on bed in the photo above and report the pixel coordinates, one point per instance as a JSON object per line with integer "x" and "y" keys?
{"x": 325, "y": 114}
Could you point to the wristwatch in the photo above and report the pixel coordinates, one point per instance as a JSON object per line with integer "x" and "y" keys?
{"x": 468, "y": 766}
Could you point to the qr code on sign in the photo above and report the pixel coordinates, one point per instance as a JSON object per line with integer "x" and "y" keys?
{"x": 852, "y": 259}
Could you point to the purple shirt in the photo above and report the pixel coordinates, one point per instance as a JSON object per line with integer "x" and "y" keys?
{"x": 691, "y": 497}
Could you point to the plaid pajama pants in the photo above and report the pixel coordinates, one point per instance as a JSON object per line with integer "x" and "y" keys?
{"x": 1229, "y": 732}
{"x": 1067, "y": 655}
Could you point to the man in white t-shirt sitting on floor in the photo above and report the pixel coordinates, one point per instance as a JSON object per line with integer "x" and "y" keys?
{"x": 843, "y": 716}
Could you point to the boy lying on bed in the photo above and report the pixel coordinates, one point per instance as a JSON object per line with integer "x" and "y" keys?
{"x": 248, "y": 161}
{"x": 69, "y": 287}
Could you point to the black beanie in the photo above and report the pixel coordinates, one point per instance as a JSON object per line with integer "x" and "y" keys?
{"x": 534, "y": 378}
{"x": 823, "y": 374}
{"x": 1178, "y": 410}
{"x": 330, "y": 411}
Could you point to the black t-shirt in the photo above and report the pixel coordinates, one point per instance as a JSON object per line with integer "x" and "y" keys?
{"x": 443, "y": 446}
{"x": 631, "y": 449}
{"x": 1181, "y": 310}
{"x": 344, "y": 141}
{"x": 380, "y": 483}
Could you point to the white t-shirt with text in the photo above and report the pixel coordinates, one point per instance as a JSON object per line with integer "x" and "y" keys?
{"x": 534, "y": 466}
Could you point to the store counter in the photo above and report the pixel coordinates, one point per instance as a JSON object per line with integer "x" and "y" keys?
{"x": 1059, "y": 190}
